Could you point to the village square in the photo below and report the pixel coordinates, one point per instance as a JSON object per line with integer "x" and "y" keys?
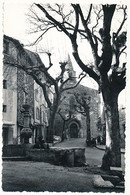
{"x": 64, "y": 114}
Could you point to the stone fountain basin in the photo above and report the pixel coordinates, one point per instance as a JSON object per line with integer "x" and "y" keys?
{"x": 71, "y": 157}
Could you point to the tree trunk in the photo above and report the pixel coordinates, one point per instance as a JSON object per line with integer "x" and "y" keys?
{"x": 50, "y": 131}
{"x": 63, "y": 131}
{"x": 88, "y": 125}
{"x": 112, "y": 156}
{"x": 103, "y": 127}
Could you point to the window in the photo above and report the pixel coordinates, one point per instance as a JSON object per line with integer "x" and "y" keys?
{"x": 37, "y": 113}
{"x": 6, "y": 47}
{"x": 4, "y": 108}
{"x": 4, "y": 84}
{"x": 36, "y": 94}
{"x": 43, "y": 117}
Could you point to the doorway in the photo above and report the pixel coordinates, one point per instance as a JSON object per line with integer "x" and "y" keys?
{"x": 5, "y": 135}
{"x": 74, "y": 130}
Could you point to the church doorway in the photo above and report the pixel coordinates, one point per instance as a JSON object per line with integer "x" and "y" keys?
{"x": 74, "y": 130}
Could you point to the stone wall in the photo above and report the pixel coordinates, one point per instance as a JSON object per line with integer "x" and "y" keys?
{"x": 59, "y": 156}
{"x": 15, "y": 150}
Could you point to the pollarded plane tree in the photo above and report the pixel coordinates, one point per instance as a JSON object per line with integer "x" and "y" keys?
{"x": 65, "y": 117}
{"x": 83, "y": 107}
{"x": 94, "y": 24}
{"x": 40, "y": 73}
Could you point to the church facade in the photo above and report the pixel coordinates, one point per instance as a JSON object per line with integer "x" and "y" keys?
{"x": 74, "y": 123}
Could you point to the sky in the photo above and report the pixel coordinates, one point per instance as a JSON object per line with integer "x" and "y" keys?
{"x": 16, "y": 25}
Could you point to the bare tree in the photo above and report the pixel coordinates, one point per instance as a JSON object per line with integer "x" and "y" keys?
{"x": 40, "y": 73}
{"x": 65, "y": 119}
{"x": 107, "y": 47}
{"x": 83, "y": 107}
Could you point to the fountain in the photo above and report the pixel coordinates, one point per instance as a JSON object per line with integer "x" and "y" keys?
{"x": 26, "y": 132}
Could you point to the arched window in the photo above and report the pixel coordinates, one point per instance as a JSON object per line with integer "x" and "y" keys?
{"x": 37, "y": 113}
{"x": 72, "y": 103}
{"x": 6, "y": 47}
{"x": 36, "y": 94}
{"x": 4, "y": 108}
{"x": 4, "y": 84}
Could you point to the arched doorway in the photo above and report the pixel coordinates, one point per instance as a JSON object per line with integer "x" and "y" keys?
{"x": 74, "y": 130}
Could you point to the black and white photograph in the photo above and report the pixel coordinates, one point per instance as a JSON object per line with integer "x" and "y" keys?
{"x": 64, "y": 96}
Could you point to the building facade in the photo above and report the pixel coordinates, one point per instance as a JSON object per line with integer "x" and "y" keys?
{"x": 18, "y": 89}
{"x": 9, "y": 95}
{"x": 74, "y": 122}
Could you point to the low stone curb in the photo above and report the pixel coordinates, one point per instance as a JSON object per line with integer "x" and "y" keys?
{"x": 116, "y": 169}
{"x": 71, "y": 157}
{"x": 15, "y": 158}
{"x": 99, "y": 182}
{"x": 98, "y": 147}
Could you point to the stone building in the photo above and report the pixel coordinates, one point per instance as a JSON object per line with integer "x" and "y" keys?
{"x": 76, "y": 126}
{"x": 18, "y": 88}
{"x": 9, "y": 95}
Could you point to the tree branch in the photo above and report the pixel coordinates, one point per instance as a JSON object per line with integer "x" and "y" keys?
{"x": 86, "y": 69}
{"x": 122, "y": 23}
{"x": 37, "y": 80}
{"x": 76, "y": 21}
{"x": 43, "y": 69}
{"x": 106, "y": 58}
{"x": 49, "y": 103}
{"x": 89, "y": 14}
{"x": 97, "y": 19}
{"x": 62, "y": 66}
{"x": 53, "y": 20}
{"x": 50, "y": 63}
{"x": 40, "y": 37}
{"x": 89, "y": 34}
{"x": 72, "y": 87}
{"x": 83, "y": 104}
